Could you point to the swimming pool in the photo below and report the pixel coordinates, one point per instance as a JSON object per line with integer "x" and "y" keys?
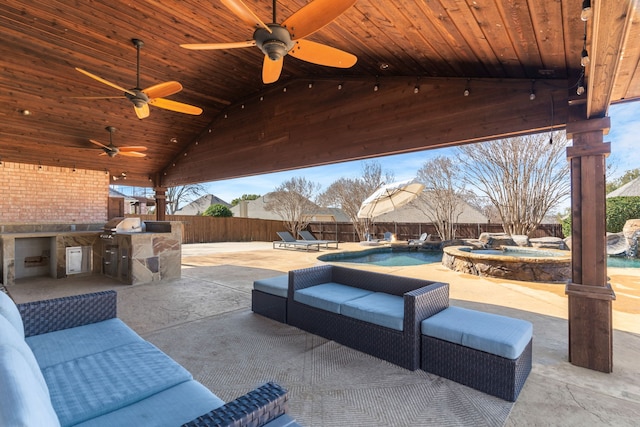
{"x": 623, "y": 262}
{"x": 386, "y": 257}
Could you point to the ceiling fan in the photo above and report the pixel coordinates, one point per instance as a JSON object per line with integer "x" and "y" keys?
{"x": 111, "y": 150}
{"x": 154, "y": 95}
{"x": 278, "y": 40}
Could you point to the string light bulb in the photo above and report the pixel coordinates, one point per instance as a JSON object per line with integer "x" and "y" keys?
{"x": 376, "y": 87}
{"x": 532, "y": 93}
{"x": 580, "y": 90}
{"x": 467, "y": 90}
{"x": 587, "y": 12}
{"x": 584, "y": 58}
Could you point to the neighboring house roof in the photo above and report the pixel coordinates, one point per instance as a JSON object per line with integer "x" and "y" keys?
{"x": 198, "y": 206}
{"x": 256, "y": 209}
{"x": 114, "y": 193}
{"x": 630, "y": 189}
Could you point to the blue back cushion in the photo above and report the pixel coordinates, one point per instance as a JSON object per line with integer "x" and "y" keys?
{"x": 10, "y": 312}
{"x": 500, "y": 335}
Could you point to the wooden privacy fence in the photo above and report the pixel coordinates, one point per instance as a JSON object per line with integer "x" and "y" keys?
{"x": 206, "y": 229}
{"x": 345, "y": 232}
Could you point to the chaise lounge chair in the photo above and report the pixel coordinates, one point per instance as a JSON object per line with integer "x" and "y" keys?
{"x": 290, "y": 242}
{"x": 419, "y": 242}
{"x": 308, "y": 237}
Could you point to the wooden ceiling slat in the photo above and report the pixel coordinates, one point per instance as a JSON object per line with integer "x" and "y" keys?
{"x": 43, "y": 40}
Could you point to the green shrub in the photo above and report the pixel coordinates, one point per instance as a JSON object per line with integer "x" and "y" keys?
{"x": 218, "y": 210}
{"x": 619, "y": 210}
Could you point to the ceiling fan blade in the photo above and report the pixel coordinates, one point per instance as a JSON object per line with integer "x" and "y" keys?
{"x": 314, "y": 16}
{"x": 133, "y": 148}
{"x": 321, "y": 54}
{"x": 179, "y": 107}
{"x": 142, "y": 112}
{"x": 93, "y": 141}
{"x": 245, "y": 14}
{"x": 271, "y": 69}
{"x": 107, "y": 82}
{"x": 97, "y": 97}
{"x": 218, "y": 46}
{"x": 162, "y": 89}
{"x": 131, "y": 154}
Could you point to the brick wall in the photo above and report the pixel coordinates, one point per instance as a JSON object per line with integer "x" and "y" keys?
{"x": 47, "y": 194}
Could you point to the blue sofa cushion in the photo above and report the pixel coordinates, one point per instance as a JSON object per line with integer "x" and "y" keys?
{"x": 69, "y": 344}
{"x": 377, "y": 308}
{"x": 273, "y": 285}
{"x": 500, "y": 335}
{"x": 100, "y": 383}
{"x": 328, "y": 296}
{"x": 169, "y": 408}
{"x": 25, "y": 402}
{"x": 10, "y": 312}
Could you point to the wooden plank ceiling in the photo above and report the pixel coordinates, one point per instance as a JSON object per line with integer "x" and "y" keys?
{"x": 500, "y": 50}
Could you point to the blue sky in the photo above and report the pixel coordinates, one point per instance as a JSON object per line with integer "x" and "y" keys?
{"x": 624, "y": 137}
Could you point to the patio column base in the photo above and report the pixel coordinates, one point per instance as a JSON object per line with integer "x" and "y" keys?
{"x": 591, "y": 326}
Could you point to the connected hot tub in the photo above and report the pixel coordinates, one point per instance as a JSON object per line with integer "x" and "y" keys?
{"x": 510, "y": 262}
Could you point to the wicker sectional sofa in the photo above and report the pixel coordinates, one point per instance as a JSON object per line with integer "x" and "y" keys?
{"x": 71, "y": 361}
{"x": 378, "y": 314}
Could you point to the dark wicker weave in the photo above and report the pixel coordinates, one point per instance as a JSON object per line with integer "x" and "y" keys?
{"x": 271, "y": 306}
{"x": 422, "y": 298}
{"x": 255, "y": 408}
{"x": 40, "y": 317}
{"x": 491, "y": 374}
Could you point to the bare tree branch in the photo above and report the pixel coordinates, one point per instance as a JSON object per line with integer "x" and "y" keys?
{"x": 522, "y": 177}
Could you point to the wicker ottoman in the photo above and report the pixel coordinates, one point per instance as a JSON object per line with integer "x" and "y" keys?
{"x": 484, "y": 351}
{"x": 269, "y": 297}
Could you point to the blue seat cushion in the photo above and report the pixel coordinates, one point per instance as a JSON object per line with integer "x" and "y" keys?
{"x": 328, "y": 296}
{"x": 377, "y": 308}
{"x": 100, "y": 383}
{"x": 273, "y": 285}
{"x": 171, "y": 407}
{"x": 500, "y": 335}
{"x": 69, "y": 344}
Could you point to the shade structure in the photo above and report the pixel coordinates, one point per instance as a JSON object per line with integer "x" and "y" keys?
{"x": 389, "y": 197}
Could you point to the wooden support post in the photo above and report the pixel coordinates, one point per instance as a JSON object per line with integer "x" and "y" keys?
{"x": 161, "y": 203}
{"x": 590, "y": 295}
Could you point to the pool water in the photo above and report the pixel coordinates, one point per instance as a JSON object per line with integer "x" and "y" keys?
{"x": 386, "y": 257}
{"x": 392, "y": 257}
{"x": 623, "y": 262}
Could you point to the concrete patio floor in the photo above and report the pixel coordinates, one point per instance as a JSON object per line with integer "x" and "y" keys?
{"x": 217, "y": 279}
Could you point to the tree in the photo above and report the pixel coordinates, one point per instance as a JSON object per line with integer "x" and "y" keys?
{"x": 244, "y": 197}
{"x": 349, "y": 193}
{"x": 218, "y": 210}
{"x": 523, "y": 177}
{"x": 442, "y": 199}
{"x": 180, "y": 194}
{"x": 291, "y": 200}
